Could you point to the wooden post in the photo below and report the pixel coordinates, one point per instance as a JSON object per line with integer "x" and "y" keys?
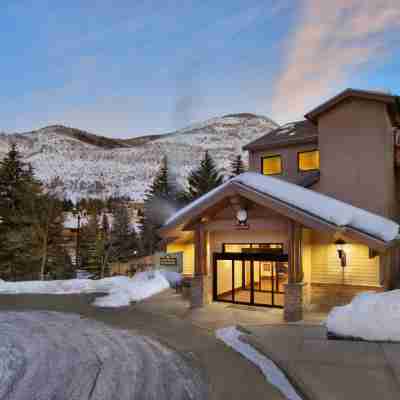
{"x": 293, "y": 310}
{"x": 200, "y": 251}
{"x": 199, "y": 293}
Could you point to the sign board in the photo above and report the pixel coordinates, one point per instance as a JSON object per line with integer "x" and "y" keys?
{"x": 169, "y": 260}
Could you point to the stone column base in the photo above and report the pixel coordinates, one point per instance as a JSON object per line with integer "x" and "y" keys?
{"x": 293, "y": 310}
{"x": 200, "y": 291}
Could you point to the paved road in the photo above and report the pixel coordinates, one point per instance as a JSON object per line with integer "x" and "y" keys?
{"x": 228, "y": 374}
{"x": 53, "y": 355}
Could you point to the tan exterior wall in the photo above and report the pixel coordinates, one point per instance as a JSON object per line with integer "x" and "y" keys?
{"x": 188, "y": 256}
{"x": 306, "y": 262}
{"x": 357, "y": 156}
{"x": 290, "y": 170}
{"x": 326, "y": 269}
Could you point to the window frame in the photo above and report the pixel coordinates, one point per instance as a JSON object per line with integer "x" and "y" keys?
{"x": 298, "y": 161}
{"x": 272, "y": 156}
{"x": 224, "y": 244}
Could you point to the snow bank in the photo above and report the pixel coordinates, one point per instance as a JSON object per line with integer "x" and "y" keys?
{"x": 230, "y": 336}
{"x": 317, "y": 204}
{"x": 370, "y": 316}
{"x": 120, "y": 290}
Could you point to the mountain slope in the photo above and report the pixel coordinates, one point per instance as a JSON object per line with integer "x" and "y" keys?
{"x": 86, "y": 162}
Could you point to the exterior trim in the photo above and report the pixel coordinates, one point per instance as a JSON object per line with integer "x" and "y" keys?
{"x": 314, "y": 114}
{"x": 282, "y": 143}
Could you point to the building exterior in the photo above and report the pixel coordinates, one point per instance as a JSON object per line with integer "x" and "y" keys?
{"x": 254, "y": 242}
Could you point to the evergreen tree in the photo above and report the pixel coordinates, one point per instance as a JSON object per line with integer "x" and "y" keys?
{"x": 237, "y": 166}
{"x": 159, "y": 203}
{"x": 19, "y": 254}
{"x": 48, "y": 224}
{"x": 203, "y": 179}
{"x": 124, "y": 241}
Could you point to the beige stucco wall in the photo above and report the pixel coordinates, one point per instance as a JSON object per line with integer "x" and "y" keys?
{"x": 290, "y": 170}
{"x": 357, "y": 156}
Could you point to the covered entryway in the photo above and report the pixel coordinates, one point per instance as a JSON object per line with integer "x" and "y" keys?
{"x": 256, "y": 278}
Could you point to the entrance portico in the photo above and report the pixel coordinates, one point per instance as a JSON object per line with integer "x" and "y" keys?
{"x": 269, "y": 259}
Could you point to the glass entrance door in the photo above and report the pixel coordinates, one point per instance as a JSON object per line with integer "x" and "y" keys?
{"x": 250, "y": 278}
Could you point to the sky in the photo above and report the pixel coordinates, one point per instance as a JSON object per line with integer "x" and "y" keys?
{"x": 125, "y": 68}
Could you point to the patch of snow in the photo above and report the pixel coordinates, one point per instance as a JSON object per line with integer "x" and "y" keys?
{"x": 173, "y": 278}
{"x": 370, "y": 316}
{"x": 327, "y": 208}
{"x": 120, "y": 290}
{"x": 231, "y": 336}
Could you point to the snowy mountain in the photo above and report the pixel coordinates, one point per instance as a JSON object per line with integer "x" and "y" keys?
{"x": 87, "y": 162}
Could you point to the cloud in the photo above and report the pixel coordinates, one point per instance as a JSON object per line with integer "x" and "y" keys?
{"x": 333, "y": 40}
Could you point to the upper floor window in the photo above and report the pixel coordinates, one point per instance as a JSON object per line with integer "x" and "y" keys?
{"x": 308, "y": 160}
{"x": 272, "y": 165}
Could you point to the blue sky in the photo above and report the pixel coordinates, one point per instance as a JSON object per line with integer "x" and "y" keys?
{"x": 129, "y": 67}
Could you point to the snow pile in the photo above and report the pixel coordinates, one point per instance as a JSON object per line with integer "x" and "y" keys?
{"x": 230, "y": 336}
{"x": 120, "y": 290}
{"x": 322, "y": 206}
{"x": 370, "y": 316}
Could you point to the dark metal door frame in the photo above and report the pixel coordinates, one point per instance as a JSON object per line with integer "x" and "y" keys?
{"x": 251, "y": 257}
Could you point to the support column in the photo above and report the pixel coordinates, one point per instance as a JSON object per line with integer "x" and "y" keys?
{"x": 293, "y": 308}
{"x": 200, "y": 289}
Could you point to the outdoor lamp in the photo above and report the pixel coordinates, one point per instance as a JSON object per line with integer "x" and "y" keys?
{"x": 241, "y": 216}
{"x": 340, "y": 250}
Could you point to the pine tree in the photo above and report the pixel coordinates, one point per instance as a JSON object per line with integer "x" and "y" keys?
{"x": 124, "y": 241}
{"x": 48, "y": 223}
{"x": 237, "y": 166}
{"x": 203, "y": 179}
{"x": 19, "y": 254}
{"x": 159, "y": 203}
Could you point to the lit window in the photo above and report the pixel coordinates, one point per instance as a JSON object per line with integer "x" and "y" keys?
{"x": 308, "y": 160}
{"x": 272, "y": 165}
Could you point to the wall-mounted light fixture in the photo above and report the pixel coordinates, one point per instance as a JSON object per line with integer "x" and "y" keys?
{"x": 241, "y": 217}
{"x": 341, "y": 253}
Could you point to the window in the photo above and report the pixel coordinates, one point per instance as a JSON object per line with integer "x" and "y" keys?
{"x": 272, "y": 165}
{"x": 242, "y": 247}
{"x": 308, "y": 160}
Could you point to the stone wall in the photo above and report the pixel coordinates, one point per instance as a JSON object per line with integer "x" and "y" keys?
{"x": 325, "y": 296}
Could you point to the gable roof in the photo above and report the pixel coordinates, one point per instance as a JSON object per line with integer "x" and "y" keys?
{"x": 299, "y": 132}
{"x": 382, "y": 97}
{"x": 310, "y": 208}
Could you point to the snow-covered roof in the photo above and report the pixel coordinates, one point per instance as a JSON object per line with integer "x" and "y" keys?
{"x": 323, "y": 207}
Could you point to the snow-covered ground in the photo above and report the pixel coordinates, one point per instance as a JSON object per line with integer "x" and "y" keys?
{"x": 120, "y": 290}
{"x": 231, "y": 336}
{"x": 370, "y": 316}
{"x": 49, "y": 355}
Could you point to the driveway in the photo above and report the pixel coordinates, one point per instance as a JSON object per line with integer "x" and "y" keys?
{"x": 226, "y": 374}
{"x": 53, "y": 355}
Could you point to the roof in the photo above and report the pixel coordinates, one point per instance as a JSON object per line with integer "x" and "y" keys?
{"x": 382, "y": 97}
{"x": 311, "y": 208}
{"x": 299, "y": 132}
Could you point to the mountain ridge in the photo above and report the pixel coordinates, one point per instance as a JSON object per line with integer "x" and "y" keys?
{"x": 86, "y": 161}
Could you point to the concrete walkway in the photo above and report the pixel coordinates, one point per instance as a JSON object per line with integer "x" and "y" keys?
{"x": 330, "y": 370}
